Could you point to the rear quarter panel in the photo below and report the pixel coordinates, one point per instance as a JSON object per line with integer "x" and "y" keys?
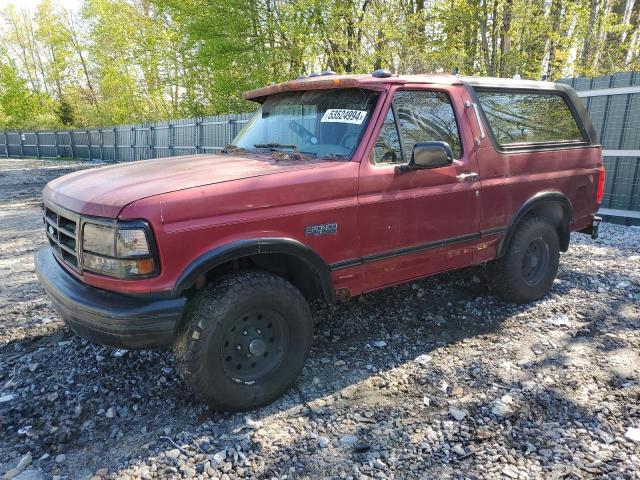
{"x": 510, "y": 179}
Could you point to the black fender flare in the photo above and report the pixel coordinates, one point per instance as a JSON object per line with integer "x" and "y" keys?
{"x": 538, "y": 200}
{"x": 256, "y": 246}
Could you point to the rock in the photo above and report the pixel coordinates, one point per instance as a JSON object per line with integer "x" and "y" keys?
{"x": 61, "y": 458}
{"x": 253, "y": 424}
{"x": 348, "y": 440}
{"x": 11, "y": 473}
{"x": 457, "y": 413}
{"x": 423, "y": 359}
{"x": 510, "y": 472}
{"x": 323, "y": 442}
{"x": 111, "y": 412}
{"x": 24, "y": 462}
{"x": 173, "y": 453}
{"x": 7, "y": 398}
{"x": 52, "y": 397}
{"x": 559, "y": 320}
{"x": 30, "y": 475}
{"x": 221, "y": 456}
{"x": 340, "y": 363}
{"x": 458, "y": 450}
{"x": 507, "y": 399}
{"x": 380, "y": 344}
{"x": 633, "y": 434}
{"x": 501, "y": 409}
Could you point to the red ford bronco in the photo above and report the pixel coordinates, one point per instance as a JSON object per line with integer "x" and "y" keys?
{"x": 337, "y": 186}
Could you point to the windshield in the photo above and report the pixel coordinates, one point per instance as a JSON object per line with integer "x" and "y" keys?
{"x": 320, "y": 123}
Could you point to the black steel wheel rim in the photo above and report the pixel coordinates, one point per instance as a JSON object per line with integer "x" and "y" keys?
{"x": 254, "y": 346}
{"x": 535, "y": 261}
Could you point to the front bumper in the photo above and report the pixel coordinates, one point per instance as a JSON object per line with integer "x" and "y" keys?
{"x": 105, "y": 317}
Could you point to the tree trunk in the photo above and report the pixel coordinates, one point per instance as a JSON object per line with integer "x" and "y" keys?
{"x": 586, "y": 57}
{"x": 75, "y": 42}
{"x": 554, "y": 44}
{"x": 505, "y": 37}
{"x": 481, "y": 17}
{"x": 631, "y": 54}
{"x": 494, "y": 36}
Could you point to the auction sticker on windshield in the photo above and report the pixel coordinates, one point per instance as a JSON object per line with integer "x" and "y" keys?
{"x": 341, "y": 115}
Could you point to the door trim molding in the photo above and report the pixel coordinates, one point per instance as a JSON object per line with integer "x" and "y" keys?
{"x": 413, "y": 249}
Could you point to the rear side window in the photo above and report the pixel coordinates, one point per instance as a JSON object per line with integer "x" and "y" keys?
{"x": 529, "y": 118}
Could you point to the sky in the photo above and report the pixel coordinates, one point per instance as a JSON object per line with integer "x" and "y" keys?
{"x": 33, "y": 4}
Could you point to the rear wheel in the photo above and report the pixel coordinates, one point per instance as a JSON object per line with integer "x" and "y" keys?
{"x": 244, "y": 340}
{"x": 526, "y": 271}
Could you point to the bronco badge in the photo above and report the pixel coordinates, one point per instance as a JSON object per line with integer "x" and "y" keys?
{"x": 324, "y": 229}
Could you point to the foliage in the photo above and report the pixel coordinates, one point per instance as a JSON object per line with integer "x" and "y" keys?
{"x": 126, "y": 61}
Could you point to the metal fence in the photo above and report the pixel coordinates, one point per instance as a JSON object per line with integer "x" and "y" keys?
{"x": 613, "y": 102}
{"x": 127, "y": 142}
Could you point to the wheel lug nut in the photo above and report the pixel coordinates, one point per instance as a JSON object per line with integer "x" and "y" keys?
{"x": 259, "y": 331}
{"x": 238, "y": 347}
{"x": 244, "y": 332}
{"x": 248, "y": 355}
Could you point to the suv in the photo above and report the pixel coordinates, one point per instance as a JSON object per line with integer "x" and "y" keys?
{"x": 338, "y": 185}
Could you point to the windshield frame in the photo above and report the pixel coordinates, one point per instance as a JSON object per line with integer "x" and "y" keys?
{"x": 373, "y": 110}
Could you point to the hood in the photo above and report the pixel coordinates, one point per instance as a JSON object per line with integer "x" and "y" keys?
{"x": 105, "y": 191}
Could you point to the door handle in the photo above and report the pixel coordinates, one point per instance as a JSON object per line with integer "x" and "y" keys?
{"x": 468, "y": 177}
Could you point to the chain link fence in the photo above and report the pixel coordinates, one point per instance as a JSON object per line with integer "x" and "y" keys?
{"x": 613, "y": 102}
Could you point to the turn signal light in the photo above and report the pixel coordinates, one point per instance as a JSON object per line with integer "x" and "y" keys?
{"x": 145, "y": 266}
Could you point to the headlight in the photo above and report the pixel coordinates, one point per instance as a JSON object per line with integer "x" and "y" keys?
{"x": 99, "y": 239}
{"x": 131, "y": 243}
{"x": 118, "y": 250}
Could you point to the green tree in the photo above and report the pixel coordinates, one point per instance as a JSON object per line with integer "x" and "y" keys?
{"x": 127, "y": 61}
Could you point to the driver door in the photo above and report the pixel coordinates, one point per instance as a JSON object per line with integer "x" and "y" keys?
{"x": 419, "y": 222}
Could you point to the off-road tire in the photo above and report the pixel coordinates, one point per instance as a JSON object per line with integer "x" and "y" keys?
{"x": 203, "y": 359}
{"x": 508, "y": 273}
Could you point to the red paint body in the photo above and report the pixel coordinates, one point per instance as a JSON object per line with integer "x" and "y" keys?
{"x": 197, "y": 203}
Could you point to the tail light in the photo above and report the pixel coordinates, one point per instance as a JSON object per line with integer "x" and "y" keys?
{"x": 600, "y": 191}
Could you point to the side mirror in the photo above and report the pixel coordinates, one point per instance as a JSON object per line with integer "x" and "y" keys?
{"x": 431, "y": 155}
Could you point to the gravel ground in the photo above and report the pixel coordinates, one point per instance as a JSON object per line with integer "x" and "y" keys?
{"x": 436, "y": 379}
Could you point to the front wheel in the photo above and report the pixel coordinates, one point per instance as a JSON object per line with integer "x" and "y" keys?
{"x": 526, "y": 271}
{"x": 244, "y": 340}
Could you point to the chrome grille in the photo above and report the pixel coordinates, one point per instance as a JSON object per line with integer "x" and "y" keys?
{"x": 61, "y": 227}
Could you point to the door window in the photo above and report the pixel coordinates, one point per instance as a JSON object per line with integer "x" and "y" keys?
{"x": 422, "y": 116}
{"x": 387, "y": 149}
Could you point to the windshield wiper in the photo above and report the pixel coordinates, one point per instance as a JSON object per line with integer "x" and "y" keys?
{"x": 275, "y": 145}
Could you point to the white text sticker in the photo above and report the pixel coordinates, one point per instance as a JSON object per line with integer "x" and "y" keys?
{"x": 341, "y": 115}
